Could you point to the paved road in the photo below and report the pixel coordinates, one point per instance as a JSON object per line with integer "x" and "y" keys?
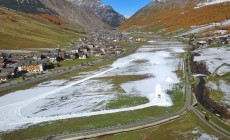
{"x": 210, "y": 124}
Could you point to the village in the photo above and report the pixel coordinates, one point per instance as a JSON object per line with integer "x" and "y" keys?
{"x": 102, "y": 45}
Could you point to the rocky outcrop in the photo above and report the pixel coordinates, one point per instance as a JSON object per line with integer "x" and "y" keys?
{"x": 106, "y": 13}
{"x": 75, "y": 14}
{"x": 72, "y": 13}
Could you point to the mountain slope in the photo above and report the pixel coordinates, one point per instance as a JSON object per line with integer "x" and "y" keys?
{"x": 173, "y": 15}
{"x": 27, "y": 6}
{"x": 104, "y": 12}
{"x": 22, "y": 31}
{"x": 72, "y": 13}
{"x": 75, "y": 14}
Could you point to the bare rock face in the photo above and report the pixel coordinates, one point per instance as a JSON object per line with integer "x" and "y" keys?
{"x": 75, "y": 14}
{"x": 72, "y": 13}
{"x": 27, "y": 6}
{"x": 106, "y": 13}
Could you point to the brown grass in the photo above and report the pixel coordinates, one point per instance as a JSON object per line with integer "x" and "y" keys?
{"x": 180, "y": 17}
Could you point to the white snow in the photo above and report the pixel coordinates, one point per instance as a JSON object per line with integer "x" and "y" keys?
{"x": 198, "y": 29}
{"x": 214, "y": 58}
{"x": 223, "y": 87}
{"x": 222, "y": 32}
{"x": 210, "y": 2}
{"x": 205, "y": 136}
{"x": 199, "y": 134}
{"x": 86, "y": 96}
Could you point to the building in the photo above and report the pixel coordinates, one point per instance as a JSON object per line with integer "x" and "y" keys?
{"x": 53, "y": 58}
{"x": 11, "y": 70}
{"x": 4, "y": 77}
{"x": 223, "y": 40}
{"x": 31, "y": 66}
{"x": 74, "y": 50}
{"x": 3, "y": 62}
{"x": 82, "y": 56}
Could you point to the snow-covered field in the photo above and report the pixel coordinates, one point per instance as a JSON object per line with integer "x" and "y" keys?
{"x": 199, "y": 29}
{"x": 201, "y": 135}
{"x": 87, "y": 95}
{"x": 224, "y": 88}
{"x": 214, "y": 58}
{"x": 196, "y": 134}
{"x": 211, "y": 2}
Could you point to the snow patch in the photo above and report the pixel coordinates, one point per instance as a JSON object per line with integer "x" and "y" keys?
{"x": 210, "y": 2}
{"x": 214, "y": 58}
{"x": 87, "y": 96}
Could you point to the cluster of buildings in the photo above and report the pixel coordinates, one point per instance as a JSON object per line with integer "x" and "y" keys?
{"x": 99, "y": 44}
{"x": 193, "y": 40}
{"x": 14, "y": 65}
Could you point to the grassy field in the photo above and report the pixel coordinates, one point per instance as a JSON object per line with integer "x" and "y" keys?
{"x": 100, "y": 121}
{"x": 118, "y": 80}
{"x": 187, "y": 127}
{"x": 123, "y": 101}
{"x": 127, "y": 45}
{"x": 30, "y": 32}
{"x": 71, "y": 63}
{"x": 214, "y": 118}
{"x": 95, "y": 122}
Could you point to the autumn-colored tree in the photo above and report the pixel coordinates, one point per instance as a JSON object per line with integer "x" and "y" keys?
{"x": 53, "y": 19}
{"x": 10, "y": 16}
{"x": 2, "y": 12}
{"x": 176, "y": 17}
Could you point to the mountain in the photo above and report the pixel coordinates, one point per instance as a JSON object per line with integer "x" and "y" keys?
{"x": 166, "y": 16}
{"x": 104, "y": 12}
{"x": 75, "y": 14}
{"x": 72, "y": 13}
{"x": 21, "y": 31}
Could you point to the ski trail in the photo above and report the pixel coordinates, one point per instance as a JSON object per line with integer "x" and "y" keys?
{"x": 10, "y": 115}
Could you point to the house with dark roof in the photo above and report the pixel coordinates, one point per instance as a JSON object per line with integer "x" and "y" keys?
{"x": 3, "y": 62}
{"x": 11, "y": 70}
{"x": 53, "y": 57}
{"x": 223, "y": 40}
{"x": 4, "y": 77}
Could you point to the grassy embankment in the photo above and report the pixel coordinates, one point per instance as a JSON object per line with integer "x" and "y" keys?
{"x": 214, "y": 118}
{"x": 183, "y": 128}
{"x": 23, "y": 31}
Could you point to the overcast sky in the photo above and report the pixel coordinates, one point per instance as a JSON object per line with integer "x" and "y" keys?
{"x": 127, "y": 7}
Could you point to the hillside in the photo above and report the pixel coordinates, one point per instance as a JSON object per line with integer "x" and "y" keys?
{"x": 21, "y": 31}
{"x": 168, "y": 16}
{"x": 105, "y": 12}
{"x": 70, "y": 12}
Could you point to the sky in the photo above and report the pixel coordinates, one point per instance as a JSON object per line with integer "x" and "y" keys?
{"x": 126, "y": 7}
